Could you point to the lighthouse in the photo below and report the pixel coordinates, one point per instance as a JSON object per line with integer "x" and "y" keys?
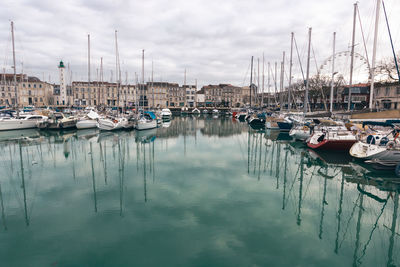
{"x": 63, "y": 86}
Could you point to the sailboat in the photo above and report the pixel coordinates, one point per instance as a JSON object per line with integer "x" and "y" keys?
{"x": 88, "y": 121}
{"x": 109, "y": 124}
{"x": 148, "y": 119}
{"x": 18, "y": 122}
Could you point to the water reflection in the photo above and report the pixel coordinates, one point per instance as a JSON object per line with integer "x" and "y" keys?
{"x": 360, "y": 191}
{"x": 196, "y": 176}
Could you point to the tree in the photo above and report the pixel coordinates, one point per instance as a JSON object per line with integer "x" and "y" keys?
{"x": 386, "y": 70}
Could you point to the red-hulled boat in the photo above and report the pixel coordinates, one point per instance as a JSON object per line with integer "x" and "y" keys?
{"x": 338, "y": 140}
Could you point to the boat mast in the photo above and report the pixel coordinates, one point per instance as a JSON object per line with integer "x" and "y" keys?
{"x": 251, "y": 78}
{"x": 141, "y": 91}
{"x": 290, "y": 72}
{"x": 371, "y": 91}
{"x": 89, "y": 92}
{"x": 333, "y": 73}
{"x": 101, "y": 80}
{"x": 152, "y": 81}
{"x": 263, "y": 80}
{"x": 184, "y": 78}
{"x": 126, "y": 89}
{"x": 352, "y": 56}
{"x": 269, "y": 83}
{"x": 258, "y": 78}
{"x": 136, "y": 94}
{"x": 282, "y": 79}
{"x": 14, "y": 66}
{"x": 117, "y": 69}
{"x": 276, "y": 82}
{"x": 306, "y": 104}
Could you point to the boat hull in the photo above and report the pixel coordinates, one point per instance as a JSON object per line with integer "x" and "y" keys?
{"x": 56, "y": 125}
{"x": 108, "y": 125}
{"x": 86, "y": 124}
{"x": 284, "y": 126}
{"x": 146, "y": 125}
{"x": 336, "y": 145}
{"x": 365, "y": 151}
{"x": 9, "y": 125}
{"x": 300, "y": 134}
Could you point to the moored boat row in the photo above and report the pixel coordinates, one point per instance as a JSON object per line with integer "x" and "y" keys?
{"x": 375, "y": 142}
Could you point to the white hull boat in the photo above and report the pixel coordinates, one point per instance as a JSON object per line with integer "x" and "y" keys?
{"x": 144, "y": 124}
{"x": 86, "y": 124}
{"x": 364, "y": 151}
{"x": 8, "y": 124}
{"x": 109, "y": 124}
{"x": 127, "y": 123}
{"x": 301, "y": 133}
{"x": 388, "y": 152}
{"x": 166, "y": 114}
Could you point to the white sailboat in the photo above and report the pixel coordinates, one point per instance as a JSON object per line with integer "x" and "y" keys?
{"x": 89, "y": 121}
{"x": 148, "y": 119}
{"x": 109, "y": 124}
{"x": 18, "y": 122}
{"x": 21, "y": 122}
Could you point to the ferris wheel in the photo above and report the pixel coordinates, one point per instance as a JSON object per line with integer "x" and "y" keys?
{"x": 361, "y": 68}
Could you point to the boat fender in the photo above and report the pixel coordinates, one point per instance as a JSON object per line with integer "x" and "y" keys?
{"x": 390, "y": 144}
{"x": 370, "y": 139}
{"x": 61, "y": 125}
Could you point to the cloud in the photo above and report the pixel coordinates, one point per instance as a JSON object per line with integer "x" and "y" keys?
{"x": 213, "y": 40}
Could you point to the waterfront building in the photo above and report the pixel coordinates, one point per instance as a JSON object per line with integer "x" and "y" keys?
{"x": 246, "y": 95}
{"x": 176, "y": 96}
{"x": 103, "y": 94}
{"x": 158, "y": 94}
{"x": 387, "y": 95}
{"x": 359, "y": 96}
{"x": 200, "y": 98}
{"x": 190, "y": 95}
{"x": 31, "y": 91}
{"x": 223, "y": 95}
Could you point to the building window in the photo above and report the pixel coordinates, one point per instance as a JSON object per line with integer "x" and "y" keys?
{"x": 387, "y": 91}
{"x": 398, "y": 90}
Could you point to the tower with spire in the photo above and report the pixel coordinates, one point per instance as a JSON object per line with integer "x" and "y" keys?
{"x": 63, "y": 86}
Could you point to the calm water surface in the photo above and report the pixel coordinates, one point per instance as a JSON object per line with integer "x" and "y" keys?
{"x": 195, "y": 192}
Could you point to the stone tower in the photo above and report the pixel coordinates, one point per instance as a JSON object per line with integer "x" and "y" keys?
{"x": 63, "y": 86}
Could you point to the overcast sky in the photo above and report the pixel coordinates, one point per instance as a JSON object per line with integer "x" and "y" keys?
{"x": 214, "y": 40}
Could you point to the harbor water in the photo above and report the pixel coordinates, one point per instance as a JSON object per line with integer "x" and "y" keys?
{"x": 198, "y": 191}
